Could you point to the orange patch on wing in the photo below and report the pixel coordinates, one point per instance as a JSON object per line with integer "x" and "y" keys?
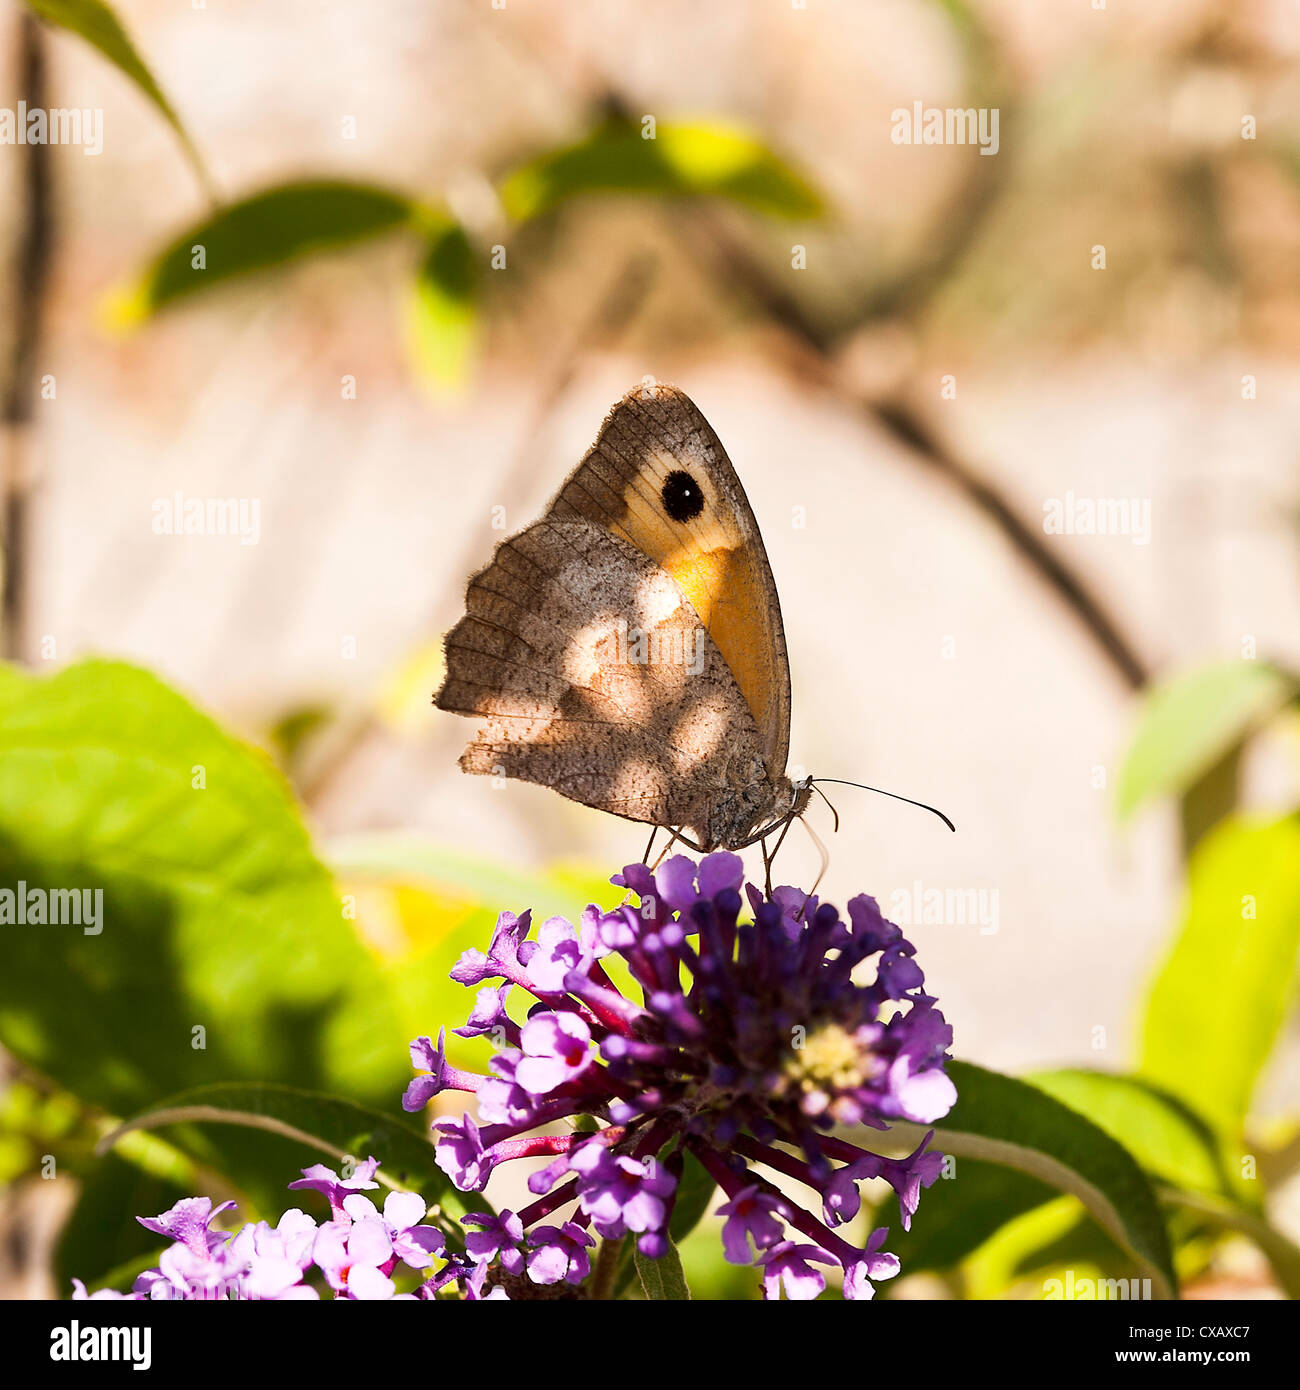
{"x": 721, "y": 588}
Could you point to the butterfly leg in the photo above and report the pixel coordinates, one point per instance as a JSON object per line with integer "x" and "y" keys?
{"x": 673, "y": 837}
{"x": 645, "y": 858}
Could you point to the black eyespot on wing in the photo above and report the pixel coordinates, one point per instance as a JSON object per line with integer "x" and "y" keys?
{"x": 682, "y": 496}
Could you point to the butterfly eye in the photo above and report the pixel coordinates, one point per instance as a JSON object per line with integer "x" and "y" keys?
{"x": 682, "y": 496}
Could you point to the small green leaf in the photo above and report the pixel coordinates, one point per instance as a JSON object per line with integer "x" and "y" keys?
{"x": 1216, "y": 1007}
{"x": 95, "y": 22}
{"x": 1190, "y": 723}
{"x": 1001, "y": 1120}
{"x": 704, "y": 159}
{"x": 444, "y": 319}
{"x": 324, "y": 1124}
{"x": 662, "y": 1279}
{"x": 266, "y": 229}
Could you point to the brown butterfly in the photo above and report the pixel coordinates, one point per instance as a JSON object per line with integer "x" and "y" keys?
{"x": 627, "y": 649}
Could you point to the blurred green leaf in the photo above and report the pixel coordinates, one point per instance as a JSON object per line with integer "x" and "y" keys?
{"x": 444, "y": 319}
{"x": 1169, "y": 1140}
{"x": 703, "y": 159}
{"x": 1190, "y": 723}
{"x": 95, "y": 22}
{"x": 959, "y": 1214}
{"x": 216, "y": 914}
{"x": 1001, "y": 1120}
{"x": 695, "y": 1191}
{"x": 266, "y": 229}
{"x": 561, "y": 890}
{"x": 327, "y": 1124}
{"x": 1282, "y": 1253}
{"x": 1216, "y": 1006}
{"x": 662, "y": 1279}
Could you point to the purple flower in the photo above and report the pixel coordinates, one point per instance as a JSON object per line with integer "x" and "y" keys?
{"x": 188, "y": 1222}
{"x": 556, "y": 1048}
{"x": 791, "y": 1266}
{"x": 559, "y": 1253}
{"x": 752, "y": 1214}
{"x": 321, "y": 1179}
{"x": 498, "y": 1238}
{"x": 619, "y": 1193}
{"x": 747, "y": 1045}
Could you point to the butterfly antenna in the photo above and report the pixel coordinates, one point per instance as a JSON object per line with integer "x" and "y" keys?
{"x": 934, "y": 810}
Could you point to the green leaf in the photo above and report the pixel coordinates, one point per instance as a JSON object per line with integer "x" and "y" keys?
{"x": 444, "y": 317}
{"x": 662, "y": 1279}
{"x": 268, "y": 228}
{"x": 324, "y": 1125}
{"x": 1218, "y": 1003}
{"x": 695, "y": 1189}
{"x": 958, "y": 1215}
{"x": 216, "y": 914}
{"x": 1190, "y": 723}
{"x": 95, "y": 22}
{"x": 1001, "y": 1120}
{"x": 704, "y": 159}
{"x": 1169, "y": 1140}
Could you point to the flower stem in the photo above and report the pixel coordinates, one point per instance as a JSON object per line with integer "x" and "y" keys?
{"x": 608, "y": 1261}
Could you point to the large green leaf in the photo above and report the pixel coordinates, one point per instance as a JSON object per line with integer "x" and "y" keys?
{"x": 958, "y": 1215}
{"x": 95, "y": 22}
{"x": 216, "y": 914}
{"x": 1000, "y": 1120}
{"x": 1169, "y": 1140}
{"x": 1215, "y": 1009}
{"x": 702, "y": 159}
{"x": 268, "y": 228}
{"x": 320, "y": 1124}
{"x": 1190, "y": 723}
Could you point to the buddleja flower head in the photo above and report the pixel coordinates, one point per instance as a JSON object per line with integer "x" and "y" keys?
{"x": 747, "y": 1044}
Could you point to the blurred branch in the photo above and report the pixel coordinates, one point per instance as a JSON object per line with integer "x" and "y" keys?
{"x": 31, "y": 277}
{"x": 746, "y": 274}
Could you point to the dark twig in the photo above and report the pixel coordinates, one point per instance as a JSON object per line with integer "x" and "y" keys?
{"x": 738, "y": 267}
{"x": 31, "y": 276}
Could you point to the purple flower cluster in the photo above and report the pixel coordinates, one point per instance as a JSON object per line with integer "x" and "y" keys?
{"x": 355, "y": 1252}
{"x": 749, "y": 1044}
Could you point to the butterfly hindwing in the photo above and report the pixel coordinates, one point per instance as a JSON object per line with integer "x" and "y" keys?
{"x": 550, "y": 653}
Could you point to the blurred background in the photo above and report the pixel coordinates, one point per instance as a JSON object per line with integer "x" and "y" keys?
{"x": 913, "y": 354}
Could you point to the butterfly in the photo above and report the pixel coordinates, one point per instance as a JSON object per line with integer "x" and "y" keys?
{"x": 627, "y": 648}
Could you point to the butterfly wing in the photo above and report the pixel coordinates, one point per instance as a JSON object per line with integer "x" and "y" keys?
{"x": 658, "y": 477}
{"x": 595, "y": 677}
